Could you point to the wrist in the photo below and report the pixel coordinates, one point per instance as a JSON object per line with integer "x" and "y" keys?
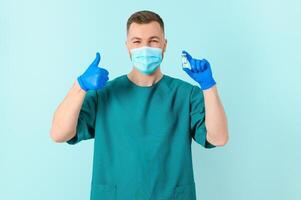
{"x": 78, "y": 87}
{"x": 207, "y": 84}
{"x": 81, "y": 84}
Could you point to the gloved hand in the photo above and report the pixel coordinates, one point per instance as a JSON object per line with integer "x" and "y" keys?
{"x": 94, "y": 77}
{"x": 200, "y": 71}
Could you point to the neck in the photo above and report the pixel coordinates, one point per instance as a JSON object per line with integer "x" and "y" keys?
{"x": 141, "y": 79}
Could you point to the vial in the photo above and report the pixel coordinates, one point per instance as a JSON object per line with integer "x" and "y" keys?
{"x": 185, "y": 62}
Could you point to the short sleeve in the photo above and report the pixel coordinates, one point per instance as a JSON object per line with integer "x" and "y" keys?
{"x": 197, "y": 117}
{"x": 85, "y": 128}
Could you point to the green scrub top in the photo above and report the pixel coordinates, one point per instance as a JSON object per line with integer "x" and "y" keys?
{"x": 142, "y": 138}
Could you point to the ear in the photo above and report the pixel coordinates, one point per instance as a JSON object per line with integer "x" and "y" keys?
{"x": 127, "y": 47}
{"x": 165, "y": 45}
{"x": 126, "y": 44}
{"x": 164, "y": 48}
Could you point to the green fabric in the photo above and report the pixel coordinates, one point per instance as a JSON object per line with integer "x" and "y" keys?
{"x": 142, "y": 138}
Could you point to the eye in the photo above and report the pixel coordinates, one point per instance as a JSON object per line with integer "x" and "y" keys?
{"x": 136, "y": 42}
{"x": 154, "y": 41}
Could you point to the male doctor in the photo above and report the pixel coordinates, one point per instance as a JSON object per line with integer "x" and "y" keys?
{"x": 142, "y": 122}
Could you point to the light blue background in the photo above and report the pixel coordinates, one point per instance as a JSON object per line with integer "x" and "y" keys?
{"x": 254, "y": 51}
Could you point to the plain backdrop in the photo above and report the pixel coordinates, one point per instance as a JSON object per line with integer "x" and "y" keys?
{"x": 254, "y": 51}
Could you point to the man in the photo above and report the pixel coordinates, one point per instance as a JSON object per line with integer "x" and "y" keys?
{"x": 142, "y": 122}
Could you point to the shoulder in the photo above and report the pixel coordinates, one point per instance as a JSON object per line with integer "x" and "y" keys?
{"x": 185, "y": 88}
{"x": 115, "y": 81}
{"x": 178, "y": 83}
{"x": 112, "y": 84}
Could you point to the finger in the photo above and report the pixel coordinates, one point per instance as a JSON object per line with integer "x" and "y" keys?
{"x": 103, "y": 80}
{"x": 202, "y": 65}
{"x": 188, "y": 71}
{"x": 104, "y": 71}
{"x": 188, "y": 56}
{"x": 205, "y": 64}
{"x": 96, "y": 60}
{"x": 198, "y": 64}
{"x": 193, "y": 65}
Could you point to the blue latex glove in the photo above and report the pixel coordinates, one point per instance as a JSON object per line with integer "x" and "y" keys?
{"x": 94, "y": 77}
{"x": 200, "y": 71}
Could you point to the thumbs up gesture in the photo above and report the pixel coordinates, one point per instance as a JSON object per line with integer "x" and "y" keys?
{"x": 94, "y": 77}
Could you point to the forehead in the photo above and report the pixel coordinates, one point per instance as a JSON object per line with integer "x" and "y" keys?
{"x": 145, "y": 31}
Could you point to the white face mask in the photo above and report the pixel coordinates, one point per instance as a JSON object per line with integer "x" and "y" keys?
{"x": 146, "y": 59}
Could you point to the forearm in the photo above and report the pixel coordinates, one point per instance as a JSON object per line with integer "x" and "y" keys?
{"x": 66, "y": 115}
{"x": 215, "y": 118}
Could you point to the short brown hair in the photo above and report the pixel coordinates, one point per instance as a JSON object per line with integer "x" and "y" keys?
{"x": 144, "y": 17}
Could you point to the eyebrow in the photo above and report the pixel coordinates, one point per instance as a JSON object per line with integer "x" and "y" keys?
{"x": 152, "y": 37}
{"x": 155, "y": 37}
